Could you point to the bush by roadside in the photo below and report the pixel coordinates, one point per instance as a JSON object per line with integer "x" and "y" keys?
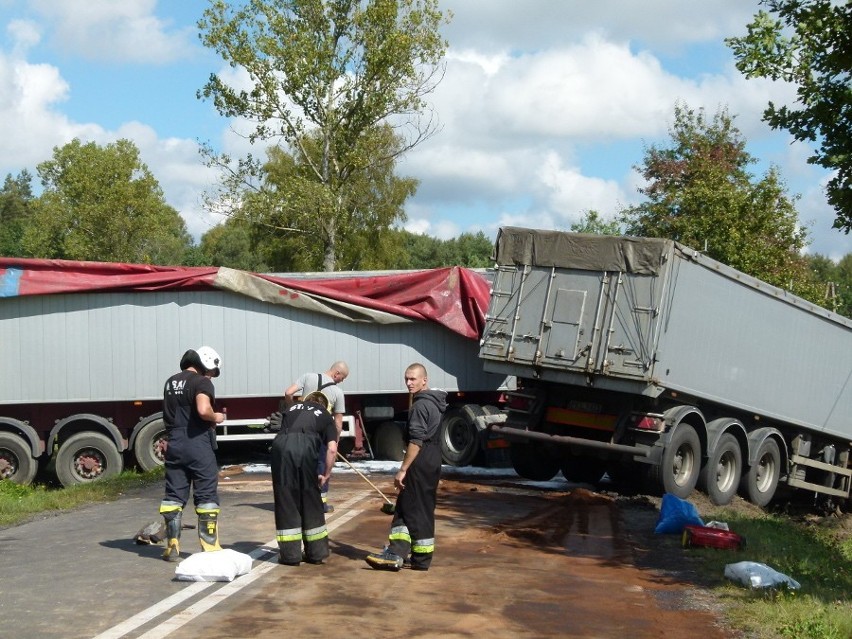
{"x": 22, "y": 503}
{"x": 815, "y": 550}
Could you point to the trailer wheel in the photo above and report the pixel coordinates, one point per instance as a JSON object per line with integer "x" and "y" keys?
{"x": 759, "y": 483}
{"x": 87, "y": 457}
{"x": 389, "y": 442}
{"x": 533, "y": 462}
{"x": 720, "y": 477}
{"x": 460, "y": 435}
{"x": 16, "y": 461}
{"x": 585, "y": 470}
{"x": 149, "y": 448}
{"x": 678, "y": 471}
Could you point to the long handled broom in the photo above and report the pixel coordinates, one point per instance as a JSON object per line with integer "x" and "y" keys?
{"x": 388, "y": 507}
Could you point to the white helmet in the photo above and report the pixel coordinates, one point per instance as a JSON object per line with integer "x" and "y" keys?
{"x": 210, "y": 360}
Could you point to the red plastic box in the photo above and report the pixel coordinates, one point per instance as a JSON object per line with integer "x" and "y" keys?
{"x": 704, "y": 537}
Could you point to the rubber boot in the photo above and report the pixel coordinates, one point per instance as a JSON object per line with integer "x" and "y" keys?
{"x": 208, "y": 529}
{"x": 173, "y": 526}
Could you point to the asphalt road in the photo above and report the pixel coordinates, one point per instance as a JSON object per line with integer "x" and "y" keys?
{"x": 512, "y": 560}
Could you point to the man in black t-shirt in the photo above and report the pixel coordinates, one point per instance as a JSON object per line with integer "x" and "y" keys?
{"x": 190, "y": 419}
{"x": 306, "y": 428}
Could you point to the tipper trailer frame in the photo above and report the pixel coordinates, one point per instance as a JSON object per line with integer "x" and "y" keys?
{"x": 643, "y": 358}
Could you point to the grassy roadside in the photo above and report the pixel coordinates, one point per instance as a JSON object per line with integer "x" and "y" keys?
{"x": 816, "y": 552}
{"x": 21, "y": 503}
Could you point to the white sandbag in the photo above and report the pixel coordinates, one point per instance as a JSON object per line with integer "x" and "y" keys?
{"x": 219, "y": 565}
{"x": 757, "y": 575}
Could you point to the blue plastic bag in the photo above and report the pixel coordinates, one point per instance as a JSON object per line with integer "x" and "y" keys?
{"x": 675, "y": 513}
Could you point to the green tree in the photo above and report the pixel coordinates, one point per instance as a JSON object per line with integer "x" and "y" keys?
{"x": 15, "y": 207}
{"x": 699, "y": 192}
{"x": 325, "y": 77}
{"x": 302, "y": 215}
{"x": 468, "y": 249}
{"x": 102, "y": 203}
{"x": 472, "y": 250}
{"x": 809, "y": 44}
{"x": 844, "y": 285}
{"x": 592, "y": 222}
{"x": 232, "y": 244}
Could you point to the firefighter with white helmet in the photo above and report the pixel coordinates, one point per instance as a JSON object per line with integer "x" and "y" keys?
{"x": 190, "y": 418}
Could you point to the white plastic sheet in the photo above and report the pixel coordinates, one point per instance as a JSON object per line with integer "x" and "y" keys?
{"x": 757, "y": 575}
{"x": 220, "y": 565}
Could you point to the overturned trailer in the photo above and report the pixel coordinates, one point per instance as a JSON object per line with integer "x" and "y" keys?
{"x": 645, "y": 359}
{"x": 85, "y": 348}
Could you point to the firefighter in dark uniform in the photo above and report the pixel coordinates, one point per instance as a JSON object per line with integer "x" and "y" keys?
{"x": 190, "y": 419}
{"x": 412, "y": 534}
{"x": 306, "y": 428}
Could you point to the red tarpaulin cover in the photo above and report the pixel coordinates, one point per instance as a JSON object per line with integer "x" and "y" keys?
{"x": 455, "y": 297}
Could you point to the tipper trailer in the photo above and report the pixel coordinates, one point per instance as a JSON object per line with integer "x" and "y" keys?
{"x": 85, "y": 348}
{"x": 643, "y": 358}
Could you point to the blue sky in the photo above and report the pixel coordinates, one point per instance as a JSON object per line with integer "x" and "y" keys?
{"x": 545, "y": 110}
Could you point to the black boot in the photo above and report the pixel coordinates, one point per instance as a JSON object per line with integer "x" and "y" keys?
{"x": 208, "y": 528}
{"x": 173, "y": 526}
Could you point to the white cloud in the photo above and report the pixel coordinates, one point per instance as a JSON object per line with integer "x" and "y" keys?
{"x": 519, "y": 110}
{"x": 490, "y": 25}
{"x": 31, "y": 123}
{"x": 115, "y": 30}
{"x": 24, "y": 34}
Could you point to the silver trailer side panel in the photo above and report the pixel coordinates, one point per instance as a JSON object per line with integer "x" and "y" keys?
{"x": 650, "y": 316}
{"x": 118, "y": 346}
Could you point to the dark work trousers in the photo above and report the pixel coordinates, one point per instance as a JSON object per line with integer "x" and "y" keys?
{"x": 321, "y": 471}
{"x": 413, "y": 525}
{"x": 299, "y": 516}
{"x": 191, "y": 460}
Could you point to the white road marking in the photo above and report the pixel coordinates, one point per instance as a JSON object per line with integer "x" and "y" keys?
{"x": 183, "y": 617}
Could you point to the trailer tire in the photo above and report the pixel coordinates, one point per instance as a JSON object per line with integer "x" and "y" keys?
{"x": 460, "y": 435}
{"x": 721, "y": 475}
{"x": 680, "y": 466}
{"x": 149, "y": 448}
{"x": 759, "y": 483}
{"x": 533, "y": 462}
{"x": 87, "y": 457}
{"x": 16, "y": 461}
{"x": 389, "y": 443}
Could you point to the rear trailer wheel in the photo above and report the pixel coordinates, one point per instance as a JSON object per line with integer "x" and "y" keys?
{"x": 16, "y": 461}
{"x": 678, "y": 471}
{"x": 759, "y": 483}
{"x": 87, "y": 457}
{"x": 460, "y": 435}
{"x": 534, "y": 462}
{"x": 149, "y": 448}
{"x": 720, "y": 477}
{"x": 389, "y": 444}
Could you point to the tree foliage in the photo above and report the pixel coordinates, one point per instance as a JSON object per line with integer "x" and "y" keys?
{"x": 102, "y": 203}
{"x": 809, "y": 44}
{"x": 699, "y": 192}
{"x": 16, "y": 198}
{"x": 472, "y": 250}
{"x": 325, "y": 79}
{"x": 592, "y": 222}
{"x": 836, "y": 279}
{"x": 297, "y": 214}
